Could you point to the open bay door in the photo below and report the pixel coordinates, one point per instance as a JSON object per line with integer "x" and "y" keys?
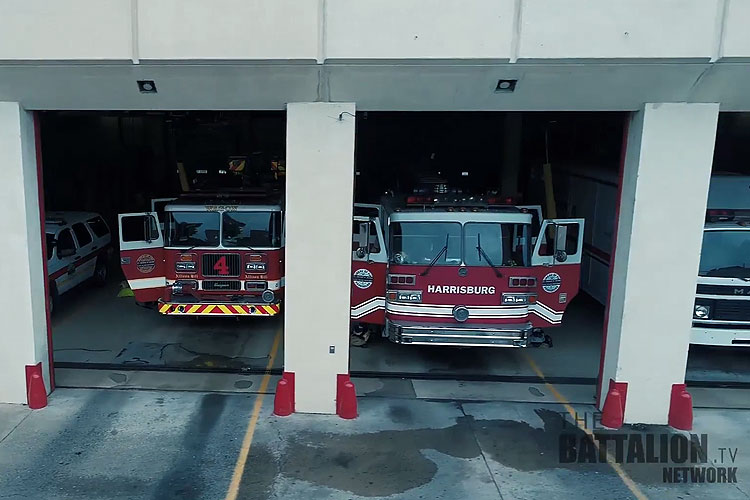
{"x": 142, "y": 255}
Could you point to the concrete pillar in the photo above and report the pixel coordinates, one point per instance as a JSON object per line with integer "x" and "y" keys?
{"x": 319, "y": 205}
{"x": 665, "y": 179}
{"x": 23, "y": 335}
{"x": 511, "y": 153}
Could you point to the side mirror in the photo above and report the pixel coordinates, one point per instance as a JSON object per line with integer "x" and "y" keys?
{"x": 361, "y": 252}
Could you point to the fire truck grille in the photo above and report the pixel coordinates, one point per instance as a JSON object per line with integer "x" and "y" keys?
{"x": 723, "y": 290}
{"x": 736, "y": 310}
{"x": 216, "y": 285}
{"x": 221, "y": 264}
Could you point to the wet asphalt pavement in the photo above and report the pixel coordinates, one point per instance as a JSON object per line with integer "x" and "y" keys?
{"x": 116, "y": 444}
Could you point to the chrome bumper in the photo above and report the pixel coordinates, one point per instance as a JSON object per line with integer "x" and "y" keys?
{"x": 461, "y": 335}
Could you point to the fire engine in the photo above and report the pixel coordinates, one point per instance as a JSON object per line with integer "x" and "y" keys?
{"x": 211, "y": 255}
{"x": 721, "y": 314}
{"x": 471, "y": 271}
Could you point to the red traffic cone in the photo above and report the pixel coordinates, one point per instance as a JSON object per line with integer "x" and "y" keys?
{"x": 613, "y": 413}
{"x": 283, "y": 402}
{"x": 346, "y": 397}
{"x": 681, "y": 408}
{"x": 36, "y": 393}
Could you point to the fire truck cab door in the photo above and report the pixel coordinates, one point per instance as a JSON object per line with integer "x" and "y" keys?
{"x": 142, "y": 255}
{"x": 560, "y": 242}
{"x": 369, "y": 262}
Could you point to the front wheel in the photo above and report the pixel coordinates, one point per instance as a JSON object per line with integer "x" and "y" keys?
{"x": 52, "y": 298}
{"x": 101, "y": 272}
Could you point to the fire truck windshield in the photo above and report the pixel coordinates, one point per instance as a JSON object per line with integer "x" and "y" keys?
{"x": 251, "y": 229}
{"x": 726, "y": 254}
{"x": 192, "y": 229}
{"x": 418, "y": 243}
{"x": 487, "y": 244}
{"x": 501, "y": 244}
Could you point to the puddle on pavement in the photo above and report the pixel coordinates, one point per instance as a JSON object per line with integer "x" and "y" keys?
{"x": 391, "y": 462}
{"x": 177, "y": 355}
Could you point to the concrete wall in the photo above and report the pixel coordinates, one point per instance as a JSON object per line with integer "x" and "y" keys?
{"x": 370, "y": 29}
{"x": 23, "y": 336}
{"x": 659, "y": 238}
{"x": 319, "y": 205}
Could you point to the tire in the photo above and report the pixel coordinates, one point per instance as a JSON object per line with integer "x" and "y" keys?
{"x": 52, "y": 299}
{"x": 101, "y": 272}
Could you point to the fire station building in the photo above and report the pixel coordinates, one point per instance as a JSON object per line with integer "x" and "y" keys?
{"x": 666, "y": 69}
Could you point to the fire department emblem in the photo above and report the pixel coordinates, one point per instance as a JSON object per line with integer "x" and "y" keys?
{"x": 145, "y": 263}
{"x": 362, "y": 278}
{"x": 551, "y": 283}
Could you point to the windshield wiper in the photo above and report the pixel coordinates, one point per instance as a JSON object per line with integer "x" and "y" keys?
{"x": 482, "y": 253}
{"x": 440, "y": 253}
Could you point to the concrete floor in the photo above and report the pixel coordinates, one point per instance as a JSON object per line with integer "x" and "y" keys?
{"x": 99, "y": 444}
{"x": 92, "y": 325}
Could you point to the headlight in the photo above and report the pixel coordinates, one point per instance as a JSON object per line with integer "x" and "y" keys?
{"x": 404, "y": 295}
{"x": 268, "y": 296}
{"x": 255, "y": 267}
{"x": 701, "y": 311}
{"x": 184, "y": 267}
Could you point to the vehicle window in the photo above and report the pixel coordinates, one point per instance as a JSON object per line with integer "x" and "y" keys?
{"x": 50, "y": 244}
{"x": 65, "y": 243}
{"x": 251, "y": 229}
{"x": 139, "y": 228}
{"x": 82, "y": 234}
{"x": 725, "y": 254}
{"x": 420, "y": 242}
{"x": 190, "y": 229}
{"x": 360, "y": 233}
{"x": 565, "y": 232}
{"x": 495, "y": 243}
{"x": 98, "y": 226}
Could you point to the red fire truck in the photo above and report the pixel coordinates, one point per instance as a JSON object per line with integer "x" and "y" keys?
{"x": 214, "y": 256}
{"x": 469, "y": 271}
{"x": 462, "y": 271}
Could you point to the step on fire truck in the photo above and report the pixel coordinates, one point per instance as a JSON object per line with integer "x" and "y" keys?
{"x": 210, "y": 256}
{"x": 469, "y": 271}
{"x": 721, "y": 315}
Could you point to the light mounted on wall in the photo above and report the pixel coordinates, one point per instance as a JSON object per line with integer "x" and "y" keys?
{"x": 146, "y": 86}
{"x": 506, "y": 85}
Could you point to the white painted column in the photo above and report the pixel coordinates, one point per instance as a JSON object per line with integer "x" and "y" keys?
{"x": 664, "y": 189}
{"x": 23, "y": 335}
{"x": 319, "y": 199}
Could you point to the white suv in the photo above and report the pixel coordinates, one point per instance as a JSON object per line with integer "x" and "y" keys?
{"x": 78, "y": 248}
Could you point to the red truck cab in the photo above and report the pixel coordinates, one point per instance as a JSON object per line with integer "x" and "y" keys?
{"x": 212, "y": 257}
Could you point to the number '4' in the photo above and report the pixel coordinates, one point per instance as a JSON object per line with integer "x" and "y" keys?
{"x": 221, "y": 265}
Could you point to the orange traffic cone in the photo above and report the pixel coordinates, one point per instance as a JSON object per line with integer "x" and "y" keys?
{"x": 36, "y": 393}
{"x": 283, "y": 403}
{"x": 613, "y": 413}
{"x": 346, "y": 397}
{"x": 681, "y": 408}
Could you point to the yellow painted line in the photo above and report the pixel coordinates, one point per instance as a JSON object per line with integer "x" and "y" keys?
{"x": 163, "y": 309}
{"x": 610, "y": 460}
{"x": 239, "y": 467}
{"x": 194, "y": 308}
{"x": 239, "y": 309}
{"x": 208, "y": 309}
{"x": 224, "y": 309}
